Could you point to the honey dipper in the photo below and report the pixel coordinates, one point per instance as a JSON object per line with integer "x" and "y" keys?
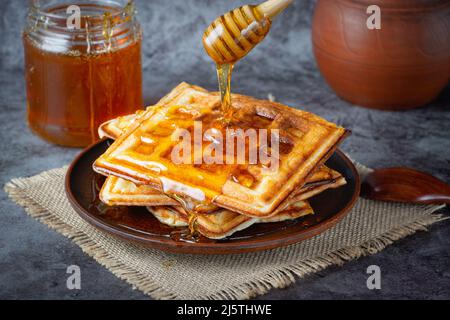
{"x": 232, "y": 35}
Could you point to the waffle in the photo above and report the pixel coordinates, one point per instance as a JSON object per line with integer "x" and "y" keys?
{"x": 142, "y": 153}
{"x": 323, "y": 179}
{"x": 120, "y": 192}
{"x": 117, "y": 191}
{"x": 223, "y": 223}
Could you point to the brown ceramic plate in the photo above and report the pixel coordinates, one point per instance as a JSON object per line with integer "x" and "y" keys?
{"x": 138, "y": 225}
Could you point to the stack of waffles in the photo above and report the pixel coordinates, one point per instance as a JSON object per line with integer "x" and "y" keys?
{"x": 175, "y": 159}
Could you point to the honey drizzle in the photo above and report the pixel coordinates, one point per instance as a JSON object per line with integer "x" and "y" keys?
{"x": 227, "y": 40}
{"x": 224, "y": 72}
{"x": 198, "y": 196}
{"x": 190, "y": 209}
{"x": 194, "y": 202}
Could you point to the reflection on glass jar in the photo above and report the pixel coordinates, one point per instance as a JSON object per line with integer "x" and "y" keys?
{"x": 82, "y": 67}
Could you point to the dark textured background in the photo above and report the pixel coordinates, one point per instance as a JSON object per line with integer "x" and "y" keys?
{"x": 33, "y": 259}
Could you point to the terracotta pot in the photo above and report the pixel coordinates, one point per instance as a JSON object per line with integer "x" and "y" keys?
{"x": 403, "y": 65}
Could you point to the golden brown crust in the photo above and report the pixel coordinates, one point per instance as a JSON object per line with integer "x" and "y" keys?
{"x": 117, "y": 191}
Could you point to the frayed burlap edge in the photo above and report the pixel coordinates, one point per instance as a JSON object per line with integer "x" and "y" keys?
{"x": 279, "y": 278}
{"x": 87, "y": 245}
{"x": 286, "y": 276}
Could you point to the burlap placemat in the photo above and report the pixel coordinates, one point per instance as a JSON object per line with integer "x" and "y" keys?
{"x": 369, "y": 228}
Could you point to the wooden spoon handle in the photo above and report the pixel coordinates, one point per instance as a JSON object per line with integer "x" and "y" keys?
{"x": 272, "y": 8}
{"x": 405, "y": 185}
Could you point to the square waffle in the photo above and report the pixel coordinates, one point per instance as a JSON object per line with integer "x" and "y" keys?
{"x": 117, "y": 191}
{"x": 120, "y": 192}
{"x": 142, "y": 153}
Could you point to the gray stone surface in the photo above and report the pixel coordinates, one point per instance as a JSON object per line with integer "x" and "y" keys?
{"x": 33, "y": 259}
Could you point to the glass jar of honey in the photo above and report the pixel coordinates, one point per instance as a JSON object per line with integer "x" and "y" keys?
{"x": 82, "y": 67}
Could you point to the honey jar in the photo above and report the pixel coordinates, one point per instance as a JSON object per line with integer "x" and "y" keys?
{"x": 82, "y": 67}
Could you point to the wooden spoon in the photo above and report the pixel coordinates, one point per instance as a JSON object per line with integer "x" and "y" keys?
{"x": 404, "y": 185}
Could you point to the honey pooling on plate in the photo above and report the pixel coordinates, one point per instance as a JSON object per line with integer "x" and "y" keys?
{"x": 233, "y": 35}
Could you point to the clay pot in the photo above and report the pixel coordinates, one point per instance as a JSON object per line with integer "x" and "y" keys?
{"x": 403, "y": 65}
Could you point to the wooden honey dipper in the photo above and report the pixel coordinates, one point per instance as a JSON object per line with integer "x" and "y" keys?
{"x": 234, "y": 34}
